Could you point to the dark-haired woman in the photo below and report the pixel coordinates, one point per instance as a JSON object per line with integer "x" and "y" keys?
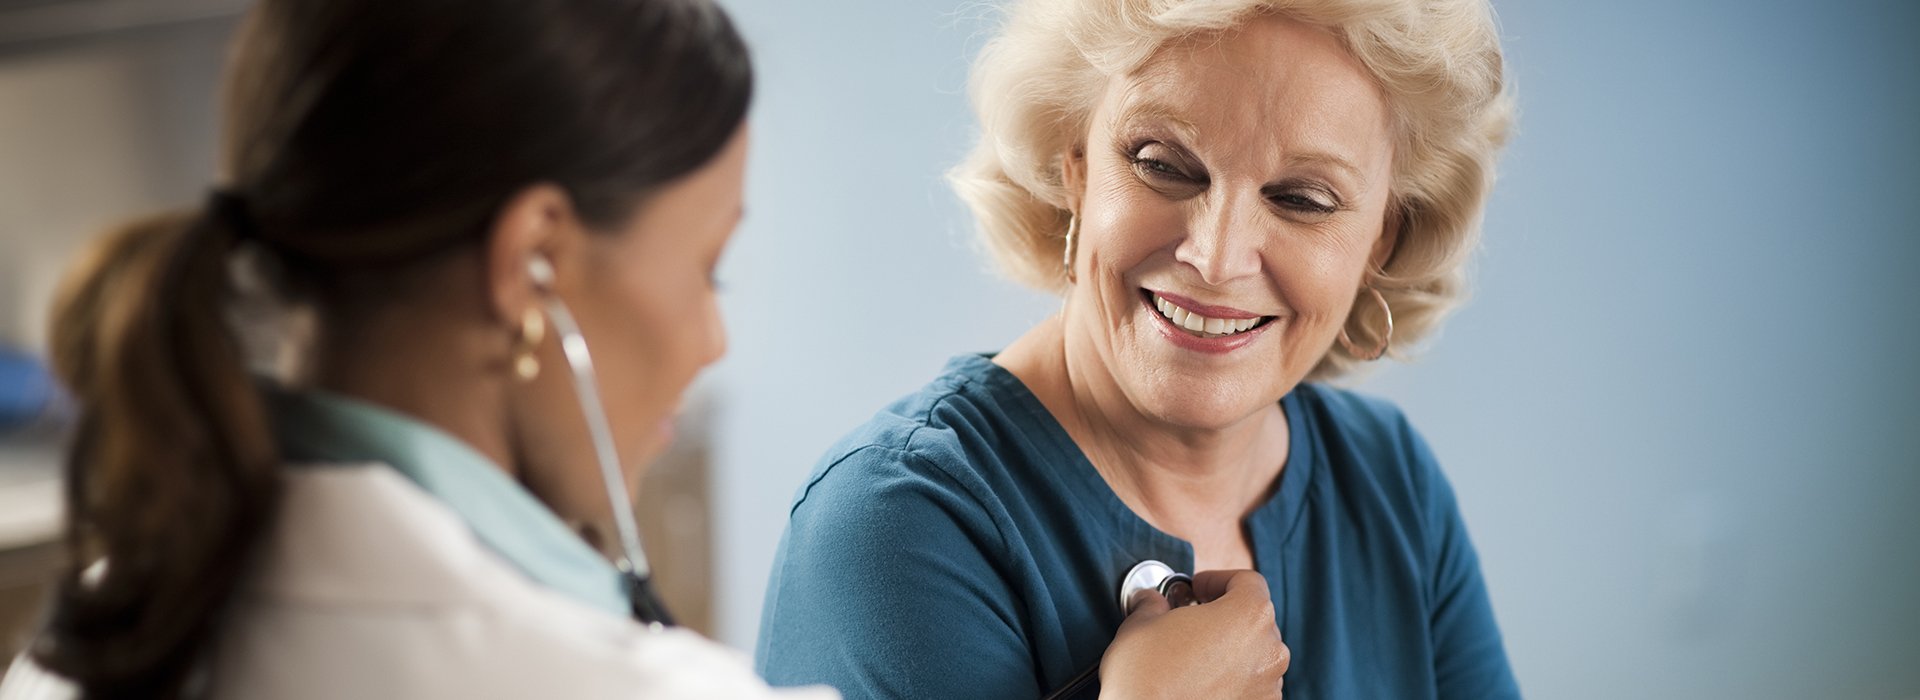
{"x": 406, "y": 513}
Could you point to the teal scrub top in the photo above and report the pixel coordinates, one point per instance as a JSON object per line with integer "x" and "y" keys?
{"x": 319, "y": 429}
{"x": 960, "y": 545}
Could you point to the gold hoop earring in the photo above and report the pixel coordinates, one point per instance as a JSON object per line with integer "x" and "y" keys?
{"x": 1073, "y": 228}
{"x": 1386, "y": 337}
{"x": 526, "y": 348}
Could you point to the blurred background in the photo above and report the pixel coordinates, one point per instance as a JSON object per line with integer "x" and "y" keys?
{"x": 1682, "y": 412}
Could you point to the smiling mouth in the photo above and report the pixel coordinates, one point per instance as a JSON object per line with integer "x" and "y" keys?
{"x": 1201, "y": 326}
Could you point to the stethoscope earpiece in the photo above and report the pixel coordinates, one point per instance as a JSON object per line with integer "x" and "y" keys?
{"x": 541, "y": 270}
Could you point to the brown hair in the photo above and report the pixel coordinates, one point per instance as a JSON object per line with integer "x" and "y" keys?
{"x": 361, "y": 136}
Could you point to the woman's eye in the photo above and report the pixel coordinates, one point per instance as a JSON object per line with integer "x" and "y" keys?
{"x": 1305, "y": 203}
{"x": 1304, "y": 199}
{"x": 1158, "y": 161}
{"x": 1160, "y": 167}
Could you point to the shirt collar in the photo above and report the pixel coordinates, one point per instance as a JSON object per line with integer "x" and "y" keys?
{"x": 322, "y": 427}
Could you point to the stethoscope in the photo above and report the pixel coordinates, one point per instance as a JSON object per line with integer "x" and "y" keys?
{"x": 632, "y": 563}
{"x": 1148, "y": 575}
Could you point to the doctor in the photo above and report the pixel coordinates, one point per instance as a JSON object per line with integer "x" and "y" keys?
{"x": 412, "y": 504}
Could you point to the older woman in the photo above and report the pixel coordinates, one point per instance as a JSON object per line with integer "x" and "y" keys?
{"x": 1236, "y": 199}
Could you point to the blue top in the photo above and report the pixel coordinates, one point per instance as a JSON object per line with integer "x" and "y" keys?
{"x": 325, "y": 428}
{"x": 961, "y": 545}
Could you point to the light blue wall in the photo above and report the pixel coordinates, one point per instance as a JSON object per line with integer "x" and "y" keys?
{"x": 853, "y": 277}
{"x": 1680, "y": 411}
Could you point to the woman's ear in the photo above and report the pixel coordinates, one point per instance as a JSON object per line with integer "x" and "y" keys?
{"x": 1389, "y": 240}
{"x": 1073, "y": 175}
{"x": 535, "y": 221}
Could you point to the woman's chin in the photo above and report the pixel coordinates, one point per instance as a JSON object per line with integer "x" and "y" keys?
{"x": 638, "y": 459}
{"x": 646, "y": 446}
{"x": 1215, "y": 408}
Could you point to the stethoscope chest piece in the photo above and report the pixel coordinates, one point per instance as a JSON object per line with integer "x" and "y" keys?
{"x": 1153, "y": 575}
{"x": 1148, "y": 575}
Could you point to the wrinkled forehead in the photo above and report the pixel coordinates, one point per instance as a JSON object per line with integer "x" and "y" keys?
{"x": 1271, "y": 86}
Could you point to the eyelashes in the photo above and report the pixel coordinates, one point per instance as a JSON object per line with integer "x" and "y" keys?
{"x": 1306, "y": 201}
{"x": 1159, "y": 168}
{"x": 1158, "y": 161}
{"x": 1175, "y": 174}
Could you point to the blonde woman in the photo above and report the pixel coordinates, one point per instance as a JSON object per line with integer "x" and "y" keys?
{"x": 1237, "y": 200}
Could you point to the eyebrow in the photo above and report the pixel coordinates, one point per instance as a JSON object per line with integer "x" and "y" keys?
{"x": 1328, "y": 160}
{"x": 1139, "y": 110}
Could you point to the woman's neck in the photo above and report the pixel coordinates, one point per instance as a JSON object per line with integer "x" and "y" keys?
{"x": 1196, "y": 483}
{"x": 420, "y": 365}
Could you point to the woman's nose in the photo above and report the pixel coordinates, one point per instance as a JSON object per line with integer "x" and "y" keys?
{"x": 1222, "y": 242}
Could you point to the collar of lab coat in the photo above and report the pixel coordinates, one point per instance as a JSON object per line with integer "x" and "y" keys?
{"x": 316, "y": 429}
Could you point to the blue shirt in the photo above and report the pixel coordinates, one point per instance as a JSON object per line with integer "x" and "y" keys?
{"x": 323, "y": 428}
{"x": 961, "y": 545}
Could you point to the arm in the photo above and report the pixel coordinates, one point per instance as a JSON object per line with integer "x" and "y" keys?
{"x": 887, "y": 584}
{"x": 1469, "y": 659}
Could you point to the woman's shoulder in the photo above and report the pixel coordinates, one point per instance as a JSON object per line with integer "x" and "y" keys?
{"x": 363, "y": 566}
{"x": 962, "y": 430}
{"x": 367, "y": 523}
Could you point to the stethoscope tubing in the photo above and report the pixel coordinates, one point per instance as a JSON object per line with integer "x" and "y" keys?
{"x": 633, "y": 566}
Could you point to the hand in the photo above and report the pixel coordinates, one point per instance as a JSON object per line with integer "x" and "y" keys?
{"x": 1226, "y": 647}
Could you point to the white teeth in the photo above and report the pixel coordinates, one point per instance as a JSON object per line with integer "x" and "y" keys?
{"x": 1195, "y": 323}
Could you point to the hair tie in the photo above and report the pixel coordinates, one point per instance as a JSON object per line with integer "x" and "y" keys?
{"x": 230, "y": 209}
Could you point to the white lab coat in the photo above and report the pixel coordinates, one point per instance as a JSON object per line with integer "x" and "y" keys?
{"x": 370, "y": 588}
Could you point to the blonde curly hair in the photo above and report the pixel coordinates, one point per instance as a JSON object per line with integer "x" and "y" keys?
{"x": 1035, "y": 85}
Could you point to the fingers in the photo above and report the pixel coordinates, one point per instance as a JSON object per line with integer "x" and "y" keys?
{"x": 1148, "y": 603}
{"x": 1209, "y": 586}
{"x": 1284, "y": 662}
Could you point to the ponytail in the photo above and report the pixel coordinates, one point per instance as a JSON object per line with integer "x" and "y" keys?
{"x": 173, "y": 473}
